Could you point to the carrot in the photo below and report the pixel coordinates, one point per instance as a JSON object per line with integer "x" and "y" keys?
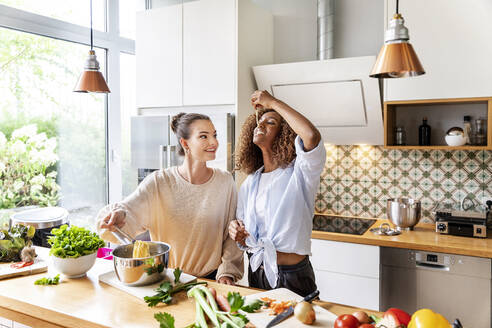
{"x": 213, "y": 291}
{"x": 223, "y": 303}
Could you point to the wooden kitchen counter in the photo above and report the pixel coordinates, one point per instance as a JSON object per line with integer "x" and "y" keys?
{"x": 423, "y": 238}
{"x": 85, "y": 302}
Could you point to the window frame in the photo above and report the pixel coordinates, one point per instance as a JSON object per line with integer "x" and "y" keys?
{"x": 113, "y": 43}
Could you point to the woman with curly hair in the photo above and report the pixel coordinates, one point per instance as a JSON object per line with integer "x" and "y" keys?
{"x": 283, "y": 156}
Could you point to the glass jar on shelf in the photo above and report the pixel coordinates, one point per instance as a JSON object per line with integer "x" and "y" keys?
{"x": 479, "y": 136}
{"x": 400, "y": 136}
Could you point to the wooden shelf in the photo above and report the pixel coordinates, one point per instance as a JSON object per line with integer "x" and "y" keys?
{"x": 439, "y": 147}
{"x": 444, "y": 114}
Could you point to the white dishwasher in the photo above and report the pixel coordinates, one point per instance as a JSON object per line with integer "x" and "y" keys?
{"x": 456, "y": 286}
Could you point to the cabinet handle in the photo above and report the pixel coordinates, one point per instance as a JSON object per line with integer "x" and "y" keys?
{"x": 162, "y": 149}
{"x": 172, "y": 151}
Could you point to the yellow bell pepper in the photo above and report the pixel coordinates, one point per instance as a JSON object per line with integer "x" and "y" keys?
{"x": 426, "y": 318}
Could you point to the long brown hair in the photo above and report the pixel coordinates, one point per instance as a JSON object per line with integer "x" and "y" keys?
{"x": 248, "y": 155}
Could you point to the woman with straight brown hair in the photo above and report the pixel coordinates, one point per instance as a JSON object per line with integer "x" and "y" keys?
{"x": 187, "y": 206}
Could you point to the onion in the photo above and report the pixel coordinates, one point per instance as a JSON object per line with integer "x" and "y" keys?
{"x": 304, "y": 312}
{"x": 362, "y": 317}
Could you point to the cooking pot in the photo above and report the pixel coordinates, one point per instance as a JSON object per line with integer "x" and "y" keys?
{"x": 404, "y": 213}
{"x": 43, "y": 219}
{"x": 139, "y": 271}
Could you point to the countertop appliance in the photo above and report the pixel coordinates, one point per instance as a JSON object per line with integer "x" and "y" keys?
{"x": 337, "y": 95}
{"x": 455, "y": 286}
{"x": 453, "y": 219}
{"x": 43, "y": 219}
{"x": 154, "y": 145}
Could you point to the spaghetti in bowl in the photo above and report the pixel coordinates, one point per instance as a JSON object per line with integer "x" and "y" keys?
{"x": 141, "y": 270}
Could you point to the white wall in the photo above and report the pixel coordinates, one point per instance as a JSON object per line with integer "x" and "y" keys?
{"x": 359, "y": 28}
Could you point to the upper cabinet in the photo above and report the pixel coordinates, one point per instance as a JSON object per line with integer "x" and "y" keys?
{"x": 209, "y": 52}
{"x": 186, "y": 54}
{"x": 449, "y": 37}
{"x": 159, "y": 59}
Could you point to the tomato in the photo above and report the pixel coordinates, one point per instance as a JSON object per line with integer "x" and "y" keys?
{"x": 402, "y": 316}
{"x": 367, "y": 325}
{"x": 347, "y": 321}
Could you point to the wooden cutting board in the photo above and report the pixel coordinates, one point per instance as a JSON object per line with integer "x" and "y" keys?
{"x": 6, "y": 271}
{"x": 141, "y": 291}
{"x": 324, "y": 318}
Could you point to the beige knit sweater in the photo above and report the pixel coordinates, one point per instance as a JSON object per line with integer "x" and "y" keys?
{"x": 193, "y": 219}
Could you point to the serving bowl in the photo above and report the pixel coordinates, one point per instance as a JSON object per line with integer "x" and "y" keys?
{"x": 141, "y": 271}
{"x": 74, "y": 267}
{"x": 404, "y": 213}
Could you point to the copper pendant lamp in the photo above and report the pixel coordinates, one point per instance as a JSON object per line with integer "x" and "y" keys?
{"x": 91, "y": 80}
{"x": 397, "y": 57}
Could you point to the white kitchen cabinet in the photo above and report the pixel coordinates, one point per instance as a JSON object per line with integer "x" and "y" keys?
{"x": 449, "y": 39}
{"x": 159, "y": 57}
{"x": 209, "y": 52}
{"x": 347, "y": 273}
{"x": 186, "y": 54}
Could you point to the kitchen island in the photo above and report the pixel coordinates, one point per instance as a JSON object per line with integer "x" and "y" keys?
{"x": 86, "y": 302}
{"x": 423, "y": 238}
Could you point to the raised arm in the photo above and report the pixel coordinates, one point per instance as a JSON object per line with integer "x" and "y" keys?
{"x": 301, "y": 125}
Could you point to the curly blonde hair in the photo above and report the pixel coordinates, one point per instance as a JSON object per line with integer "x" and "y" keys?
{"x": 248, "y": 155}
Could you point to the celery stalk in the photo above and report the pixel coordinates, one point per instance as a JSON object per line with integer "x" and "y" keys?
{"x": 212, "y": 309}
{"x": 196, "y": 292}
{"x": 200, "y": 318}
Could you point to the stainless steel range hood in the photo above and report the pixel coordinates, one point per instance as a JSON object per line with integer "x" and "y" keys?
{"x": 337, "y": 95}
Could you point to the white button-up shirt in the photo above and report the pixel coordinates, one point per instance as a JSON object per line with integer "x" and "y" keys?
{"x": 289, "y": 210}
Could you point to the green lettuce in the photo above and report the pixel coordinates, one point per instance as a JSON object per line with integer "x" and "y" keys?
{"x": 73, "y": 242}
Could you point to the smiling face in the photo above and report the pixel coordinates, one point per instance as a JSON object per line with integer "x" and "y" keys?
{"x": 267, "y": 130}
{"x": 202, "y": 143}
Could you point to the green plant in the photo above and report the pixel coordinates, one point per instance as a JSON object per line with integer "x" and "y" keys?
{"x": 27, "y": 169}
{"x": 166, "y": 290}
{"x": 73, "y": 242}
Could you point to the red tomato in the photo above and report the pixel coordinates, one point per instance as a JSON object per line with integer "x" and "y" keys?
{"x": 402, "y": 316}
{"x": 367, "y": 325}
{"x": 347, "y": 321}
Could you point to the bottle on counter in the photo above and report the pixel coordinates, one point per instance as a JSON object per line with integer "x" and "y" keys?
{"x": 424, "y": 133}
{"x": 467, "y": 130}
{"x": 400, "y": 136}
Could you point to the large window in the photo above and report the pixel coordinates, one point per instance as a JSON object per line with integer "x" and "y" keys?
{"x": 55, "y": 139}
{"x": 75, "y": 12}
{"x": 58, "y": 147}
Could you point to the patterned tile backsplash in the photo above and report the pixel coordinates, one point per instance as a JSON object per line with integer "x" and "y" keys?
{"x": 357, "y": 180}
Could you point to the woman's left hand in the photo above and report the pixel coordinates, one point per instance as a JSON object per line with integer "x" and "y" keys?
{"x": 226, "y": 280}
{"x": 262, "y": 99}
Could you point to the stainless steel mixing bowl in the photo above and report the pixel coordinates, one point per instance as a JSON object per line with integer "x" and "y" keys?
{"x": 404, "y": 213}
{"x": 141, "y": 271}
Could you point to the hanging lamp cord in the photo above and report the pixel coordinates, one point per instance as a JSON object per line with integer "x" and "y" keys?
{"x": 397, "y": 5}
{"x": 91, "y": 21}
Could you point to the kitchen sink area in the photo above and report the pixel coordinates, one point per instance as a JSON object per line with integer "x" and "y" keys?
{"x": 347, "y": 225}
